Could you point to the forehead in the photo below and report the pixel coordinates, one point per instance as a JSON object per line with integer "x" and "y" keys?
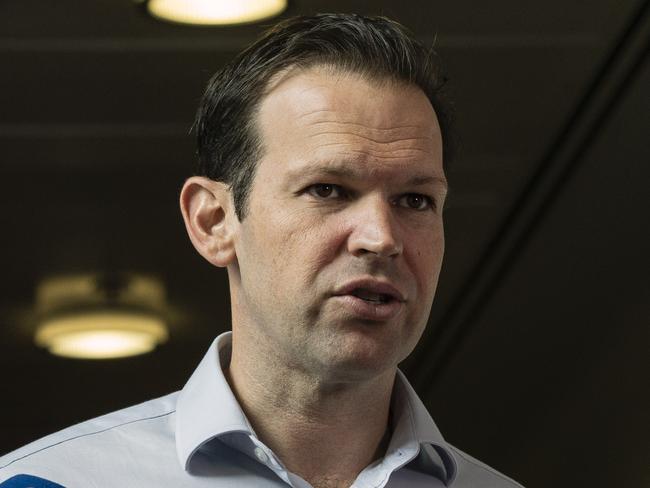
{"x": 297, "y": 93}
{"x": 321, "y": 114}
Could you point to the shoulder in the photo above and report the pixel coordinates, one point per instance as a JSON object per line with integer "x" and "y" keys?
{"x": 472, "y": 472}
{"x": 94, "y": 440}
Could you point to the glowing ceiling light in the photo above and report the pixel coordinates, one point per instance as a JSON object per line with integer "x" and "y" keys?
{"x": 100, "y": 316}
{"x": 101, "y": 334}
{"x": 215, "y": 12}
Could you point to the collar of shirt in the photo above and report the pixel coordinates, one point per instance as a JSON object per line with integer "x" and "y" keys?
{"x": 207, "y": 410}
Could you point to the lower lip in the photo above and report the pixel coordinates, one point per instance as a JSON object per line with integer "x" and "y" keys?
{"x": 370, "y": 310}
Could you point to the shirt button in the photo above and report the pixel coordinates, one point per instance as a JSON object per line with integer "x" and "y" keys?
{"x": 261, "y": 455}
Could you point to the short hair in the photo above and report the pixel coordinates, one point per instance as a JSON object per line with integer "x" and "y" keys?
{"x": 229, "y": 145}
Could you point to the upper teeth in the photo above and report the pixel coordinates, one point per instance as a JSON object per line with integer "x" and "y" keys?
{"x": 371, "y": 296}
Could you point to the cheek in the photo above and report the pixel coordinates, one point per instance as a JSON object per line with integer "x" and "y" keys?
{"x": 296, "y": 245}
{"x": 425, "y": 261}
{"x": 316, "y": 244}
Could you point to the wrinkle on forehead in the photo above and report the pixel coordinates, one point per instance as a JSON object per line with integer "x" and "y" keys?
{"x": 398, "y": 142}
{"x": 329, "y": 125}
{"x": 383, "y": 139}
{"x": 335, "y": 118}
{"x": 372, "y": 153}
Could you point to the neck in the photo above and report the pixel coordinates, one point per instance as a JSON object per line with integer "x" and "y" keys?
{"x": 326, "y": 432}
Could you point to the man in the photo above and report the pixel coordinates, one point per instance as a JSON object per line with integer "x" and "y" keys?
{"x": 321, "y": 188}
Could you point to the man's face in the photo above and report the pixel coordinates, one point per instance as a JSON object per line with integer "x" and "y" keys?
{"x": 339, "y": 254}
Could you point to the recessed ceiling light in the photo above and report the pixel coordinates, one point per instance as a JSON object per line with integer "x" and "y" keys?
{"x": 215, "y": 12}
{"x": 100, "y": 317}
{"x": 101, "y": 334}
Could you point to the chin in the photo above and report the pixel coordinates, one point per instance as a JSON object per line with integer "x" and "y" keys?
{"x": 355, "y": 359}
{"x": 356, "y": 348}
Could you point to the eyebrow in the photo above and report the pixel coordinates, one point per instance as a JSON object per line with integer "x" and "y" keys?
{"x": 345, "y": 172}
{"x": 426, "y": 180}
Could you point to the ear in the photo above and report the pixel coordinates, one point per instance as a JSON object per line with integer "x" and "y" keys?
{"x": 209, "y": 218}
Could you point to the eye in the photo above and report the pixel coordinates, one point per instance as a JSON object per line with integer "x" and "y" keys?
{"x": 325, "y": 190}
{"x": 415, "y": 201}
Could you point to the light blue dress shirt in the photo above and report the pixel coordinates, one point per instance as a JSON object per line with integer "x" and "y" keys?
{"x": 200, "y": 437}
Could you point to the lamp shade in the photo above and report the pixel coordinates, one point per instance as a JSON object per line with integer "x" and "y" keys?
{"x": 101, "y": 334}
{"x": 215, "y": 12}
{"x": 100, "y": 316}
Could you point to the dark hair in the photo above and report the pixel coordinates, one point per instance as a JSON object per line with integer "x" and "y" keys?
{"x": 378, "y": 48}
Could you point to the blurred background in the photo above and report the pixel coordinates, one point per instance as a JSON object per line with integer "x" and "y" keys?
{"x": 536, "y": 356}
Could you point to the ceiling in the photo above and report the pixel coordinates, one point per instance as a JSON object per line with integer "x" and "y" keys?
{"x": 536, "y": 355}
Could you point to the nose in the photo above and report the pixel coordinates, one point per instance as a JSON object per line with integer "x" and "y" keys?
{"x": 374, "y": 230}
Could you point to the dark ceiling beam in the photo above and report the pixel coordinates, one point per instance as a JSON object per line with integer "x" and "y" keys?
{"x": 222, "y": 43}
{"x": 65, "y": 130}
{"x": 558, "y": 165}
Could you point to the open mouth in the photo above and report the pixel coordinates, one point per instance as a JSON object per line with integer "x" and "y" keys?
{"x": 370, "y": 296}
{"x": 370, "y": 299}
